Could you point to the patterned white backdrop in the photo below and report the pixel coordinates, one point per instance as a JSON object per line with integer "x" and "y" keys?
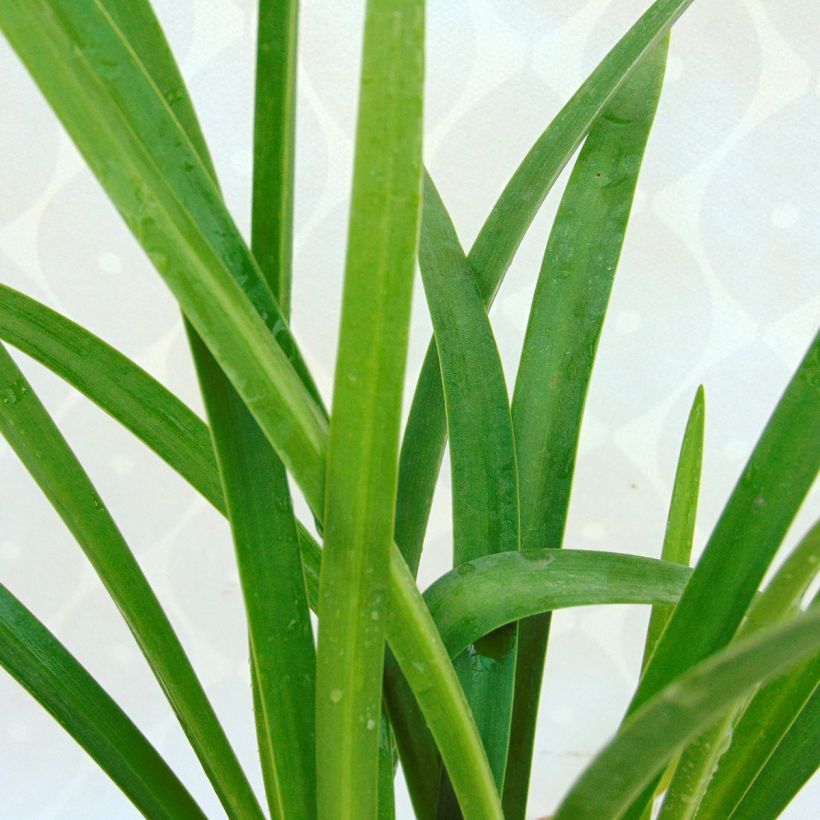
{"x": 718, "y": 285}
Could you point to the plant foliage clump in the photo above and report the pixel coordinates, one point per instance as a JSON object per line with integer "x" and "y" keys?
{"x": 724, "y": 721}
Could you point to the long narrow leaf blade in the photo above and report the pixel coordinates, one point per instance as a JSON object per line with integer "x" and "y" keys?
{"x": 362, "y": 463}
{"x": 35, "y": 438}
{"x": 753, "y": 735}
{"x": 774, "y": 482}
{"x": 149, "y": 168}
{"x": 54, "y": 677}
{"x": 667, "y": 720}
{"x": 117, "y": 385}
{"x": 680, "y": 523}
{"x": 439, "y": 697}
{"x": 52, "y": 345}
{"x": 499, "y": 589}
{"x": 490, "y": 592}
{"x": 757, "y": 736}
{"x": 754, "y": 521}
{"x": 565, "y": 323}
{"x": 274, "y": 135}
{"x": 793, "y": 762}
{"x": 482, "y": 452}
{"x": 259, "y": 506}
{"x": 493, "y": 250}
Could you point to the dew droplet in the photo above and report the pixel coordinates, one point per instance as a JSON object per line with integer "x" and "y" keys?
{"x": 335, "y": 695}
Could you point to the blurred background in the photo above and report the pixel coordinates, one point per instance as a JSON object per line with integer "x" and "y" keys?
{"x": 718, "y": 284}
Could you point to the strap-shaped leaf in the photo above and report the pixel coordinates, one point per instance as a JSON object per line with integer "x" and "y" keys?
{"x": 32, "y": 434}
{"x": 485, "y": 479}
{"x": 258, "y": 500}
{"x": 757, "y": 515}
{"x": 117, "y": 385}
{"x": 794, "y": 761}
{"x": 683, "y": 507}
{"x": 148, "y": 166}
{"x": 54, "y": 677}
{"x": 756, "y": 738}
{"x": 482, "y": 595}
{"x": 680, "y": 529}
{"x": 54, "y": 338}
{"x": 565, "y": 323}
{"x": 707, "y": 767}
{"x": 274, "y": 137}
{"x": 662, "y": 724}
{"x": 494, "y": 248}
{"x": 360, "y": 491}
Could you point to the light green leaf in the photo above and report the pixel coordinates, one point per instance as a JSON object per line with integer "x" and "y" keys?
{"x": 707, "y": 765}
{"x": 274, "y": 137}
{"x": 117, "y": 385}
{"x": 360, "y": 490}
{"x": 259, "y": 507}
{"x": 756, "y": 738}
{"x": 680, "y": 523}
{"x": 54, "y": 677}
{"x": 103, "y": 374}
{"x": 482, "y": 595}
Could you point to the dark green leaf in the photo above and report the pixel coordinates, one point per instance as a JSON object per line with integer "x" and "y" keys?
{"x": 793, "y": 762}
{"x": 493, "y": 250}
{"x": 482, "y": 453}
{"x": 34, "y": 437}
{"x": 41, "y": 664}
{"x": 757, "y": 515}
{"x": 565, "y": 323}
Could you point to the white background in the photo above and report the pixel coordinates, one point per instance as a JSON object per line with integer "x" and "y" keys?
{"x": 718, "y": 285}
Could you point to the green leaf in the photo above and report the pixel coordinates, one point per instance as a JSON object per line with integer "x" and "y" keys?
{"x": 793, "y": 762}
{"x": 756, "y": 738}
{"x": 270, "y": 572}
{"x": 707, "y": 765}
{"x": 564, "y": 327}
{"x": 482, "y": 595}
{"x": 680, "y": 530}
{"x": 34, "y": 437}
{"x": 493, "y": 250}
{"x": 757, "y": 515}
{"x": 148, "y": 166}
{"x": 485, "y": 480}
{"x": 259, "y": 509}
{"x": 274, "y": 136}
{"x": 362, "y": 460}
{"x": 117, "y": 385}
{"x": 671, "y": 717}
{"x": 54, "y": 677}
{"x": 89, "y": 73}
{"x": 680, "y": 523}
{"x": 422, "y": 656}
{"x": 54, "y": 341}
